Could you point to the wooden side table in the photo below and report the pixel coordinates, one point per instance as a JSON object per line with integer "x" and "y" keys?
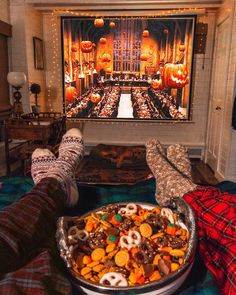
{"x": 43, "y": 130}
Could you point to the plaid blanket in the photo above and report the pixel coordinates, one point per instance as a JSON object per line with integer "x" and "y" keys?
{"x": 43, "y": 271}
{"x": 29, "y": 260}
{"x": 216, "y": 219}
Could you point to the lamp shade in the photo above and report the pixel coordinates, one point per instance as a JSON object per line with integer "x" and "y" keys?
{"x": 16, "y": 79}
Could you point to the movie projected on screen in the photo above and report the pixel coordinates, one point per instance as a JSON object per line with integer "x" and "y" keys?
{"x": 128, "y": 68}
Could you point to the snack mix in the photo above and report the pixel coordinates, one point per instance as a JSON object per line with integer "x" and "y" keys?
{"x": 127, "y": 244}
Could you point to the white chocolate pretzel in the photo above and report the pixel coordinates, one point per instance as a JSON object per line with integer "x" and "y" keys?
{"x": 131, "y": 241}
{"x": 166, "y": 212}
{"x": 130, "y": 209}
{"x": 75, "y": 234}
{"x": 113, "y": 279}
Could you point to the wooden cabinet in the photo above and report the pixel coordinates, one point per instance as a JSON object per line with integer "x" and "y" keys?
{"x": 23, "y": 135}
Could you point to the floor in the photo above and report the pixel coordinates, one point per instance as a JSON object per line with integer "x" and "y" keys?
{"x": 201, "y": 172}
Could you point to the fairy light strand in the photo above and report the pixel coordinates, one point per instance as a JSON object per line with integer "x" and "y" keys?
{"x": 55, "y": 74}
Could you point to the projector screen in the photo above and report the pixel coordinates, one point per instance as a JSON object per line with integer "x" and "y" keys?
{"x": 128, "y": 68}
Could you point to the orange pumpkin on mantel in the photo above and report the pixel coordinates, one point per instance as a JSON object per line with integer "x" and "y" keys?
{"x": 70, "y": 93}
{"x": 175, "y": 75}
{"x": 95, "y": 97}
{"x": 86, "y": 46}
{"x": 157, "y": 84}
{"x": 106, "y": 57}
{"x": 98, "y": 22}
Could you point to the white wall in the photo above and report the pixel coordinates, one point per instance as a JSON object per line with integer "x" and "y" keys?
{"x": 191, "y": 134}
{"x": 26, "y": 23}
{"x": 4, "y": 10}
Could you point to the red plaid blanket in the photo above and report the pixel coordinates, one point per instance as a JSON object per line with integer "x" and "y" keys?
{"x": 30, "y": 263}
{"x": 29, "y": 260}
{"x": 216, "y": 220}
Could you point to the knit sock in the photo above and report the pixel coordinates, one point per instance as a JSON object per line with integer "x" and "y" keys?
{"x": 42, "y": 159}
{"x": 169, "y": 182}
{"x": 177, "y": 154}
{"x": 71, "y": 152}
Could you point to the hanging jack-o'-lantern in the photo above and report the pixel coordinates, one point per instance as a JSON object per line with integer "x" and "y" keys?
{"x": 70, "y": 94}
{"x": 182, "y": 47}
{"x": 143, "y": 56}
{"x": 86, "y": 46}
{"x": 98, "y": 22}
{"x": 103, "y": 40}
{"x": 145, "y": 33}
{"x": 106, "y": 57}
{"x": 112, "y": 25}
{"x": 74, "y": 48}
{"x": 175, "y": 75}
{"x": 157, "y": 84}
{"x": 165, "y": 31}
{"x": 95, "y": 97}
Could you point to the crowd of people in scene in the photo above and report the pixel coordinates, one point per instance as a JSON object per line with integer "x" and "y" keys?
{"x": 146, "y": 103}
{"x": 108, "y": 106}
{"x": 167, "y": 104}
{"x": 143, "y": 106}
{"x": 105, "y": 107}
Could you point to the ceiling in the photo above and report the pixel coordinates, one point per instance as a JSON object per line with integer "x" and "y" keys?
{"x": 130, "y": 6}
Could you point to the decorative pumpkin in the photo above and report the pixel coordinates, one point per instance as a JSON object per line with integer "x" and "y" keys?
{"x": 175, "y": 75}
{"x": 103, "y": 40}
{"x": 182, "y": 47}
{"x": 74, "y": 48}
{"x": 98, "y": 22}
{"x": 106, "y": 57}
{"x": 112, "y": 25}
{"x": 95, "y": 97}
{"x": 145, "y": 33}
{"x": 157, "y": 84}
{"x": 70, "y": 93}
{"x": 86, "y": 46}
{"x": 144, "y": 57}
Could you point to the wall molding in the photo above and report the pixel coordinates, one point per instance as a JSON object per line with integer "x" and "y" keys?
{"x": 5, "y": 29}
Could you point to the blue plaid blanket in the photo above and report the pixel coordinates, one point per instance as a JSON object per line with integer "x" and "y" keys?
{"x": 200, "y": 280}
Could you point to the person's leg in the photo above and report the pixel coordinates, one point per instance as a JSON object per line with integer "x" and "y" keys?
{"x": 177, "y": 154}
{"x": 71, "y": 151}
{"x": 215, "y": 213}
{"x": 26, "y": 225}
{"x": 170, "y": 182}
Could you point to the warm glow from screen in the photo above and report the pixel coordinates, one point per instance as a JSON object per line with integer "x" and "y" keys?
{"x": 128, "y": 68}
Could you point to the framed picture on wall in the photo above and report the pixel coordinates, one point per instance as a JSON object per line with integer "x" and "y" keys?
{"x": 38, "y": 53}
{"x": 128, "y": 68}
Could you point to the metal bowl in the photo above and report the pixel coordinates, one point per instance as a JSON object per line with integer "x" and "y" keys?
{"x": 165, "y": 286}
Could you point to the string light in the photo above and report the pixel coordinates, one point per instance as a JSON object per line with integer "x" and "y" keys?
{"x": 55, "y": 73}
{"x": 160, "y": 13}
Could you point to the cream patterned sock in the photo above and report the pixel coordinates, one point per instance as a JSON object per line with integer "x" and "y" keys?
{"x": 177, "y": 154}
{"x": 169, "y": 182}
{"x": 42, "y": 159}
{"x": 71, "y": 152}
